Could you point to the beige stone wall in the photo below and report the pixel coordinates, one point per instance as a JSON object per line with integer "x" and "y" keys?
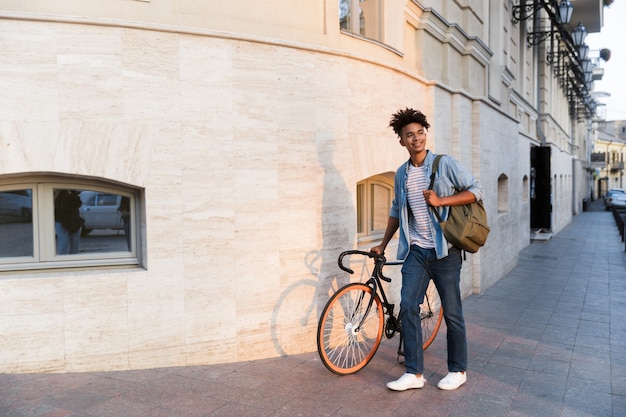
{"x": 249, "y": 154}
{"x": 248, "y": 131}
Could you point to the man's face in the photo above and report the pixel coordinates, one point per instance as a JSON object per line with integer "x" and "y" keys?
{"x": 413, "y": 138}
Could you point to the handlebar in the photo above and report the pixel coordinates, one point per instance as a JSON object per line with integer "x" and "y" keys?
{"x": 379, "y": 259}
{"x": 358, "y": 252}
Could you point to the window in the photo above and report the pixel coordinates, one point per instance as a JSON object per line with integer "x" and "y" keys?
{"x": 374, "y": 196}
{"x": 362, "y": 17}
{"x": 48, "y": 223}
{"x": 503, "y": 194}
{"x": 525, "y": 188}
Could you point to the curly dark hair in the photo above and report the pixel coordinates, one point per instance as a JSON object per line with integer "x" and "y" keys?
{"x": 406, "y": 116}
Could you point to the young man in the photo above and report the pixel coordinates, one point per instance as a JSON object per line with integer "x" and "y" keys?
{"x": 425, "y": 250}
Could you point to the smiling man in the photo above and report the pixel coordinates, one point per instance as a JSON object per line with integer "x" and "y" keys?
{"x": 424, "y": 249}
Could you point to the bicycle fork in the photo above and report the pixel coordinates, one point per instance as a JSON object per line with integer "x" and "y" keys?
{"x": 357, "y": 328}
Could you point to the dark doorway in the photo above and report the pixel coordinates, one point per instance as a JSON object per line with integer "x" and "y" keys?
{"x": 540, "y": 191}
{"x": 603, "y": 187}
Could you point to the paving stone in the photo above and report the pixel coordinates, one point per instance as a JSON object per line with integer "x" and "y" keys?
{"x": 546, "y": 340}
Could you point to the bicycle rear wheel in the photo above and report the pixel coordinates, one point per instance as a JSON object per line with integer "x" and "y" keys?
{"x": 431, "y": 314}
{"x": 350, "y": 329}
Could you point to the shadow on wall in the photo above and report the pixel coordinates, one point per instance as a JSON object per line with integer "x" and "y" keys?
{"x": 295, "y": 316}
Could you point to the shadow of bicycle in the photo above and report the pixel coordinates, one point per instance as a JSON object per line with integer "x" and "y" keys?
{"x": 296, "y": 313}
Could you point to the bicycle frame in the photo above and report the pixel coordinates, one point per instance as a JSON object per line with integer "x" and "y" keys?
{"x": 375, "y": 283}
{"x": 350, "y": 328}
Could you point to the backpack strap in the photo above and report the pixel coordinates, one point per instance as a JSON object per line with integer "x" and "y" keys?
{"x": 432, "y": 182}
{"x": 434, "y": 171}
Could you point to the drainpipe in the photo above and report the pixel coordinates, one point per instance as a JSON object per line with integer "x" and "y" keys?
{"x": 541, "y": 110}
{"x": 574, "y": 158}
{"x": 621, "y": 172}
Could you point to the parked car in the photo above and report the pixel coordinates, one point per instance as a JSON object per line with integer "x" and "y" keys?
{"x": 16, "y": 206}
{"x": 615, "y": 197}
{"x": 100, "y": 211}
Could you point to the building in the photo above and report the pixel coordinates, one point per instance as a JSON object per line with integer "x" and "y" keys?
{"x": 607, "y": 159}
{"x": 250, "y": 144}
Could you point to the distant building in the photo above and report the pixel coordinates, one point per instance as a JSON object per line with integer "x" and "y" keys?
{"x": 607, "y": 159}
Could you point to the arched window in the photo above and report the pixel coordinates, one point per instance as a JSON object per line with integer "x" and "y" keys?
{"x": 60, "y": 222}
{"x": 525, "y": 189}
{"x": 503, "y": 194}
{"x": 374, "y": 196}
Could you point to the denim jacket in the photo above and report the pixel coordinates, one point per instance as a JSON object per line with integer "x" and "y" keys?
{"x": 451, "y": 178}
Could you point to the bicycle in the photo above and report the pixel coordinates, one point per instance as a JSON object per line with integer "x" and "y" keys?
{"x": 351, "y": 326}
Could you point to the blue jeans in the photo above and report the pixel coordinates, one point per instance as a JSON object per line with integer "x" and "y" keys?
{"x": 67, "y": 243}
{"x": 419, "y": 266}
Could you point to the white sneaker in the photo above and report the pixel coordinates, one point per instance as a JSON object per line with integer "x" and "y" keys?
{"x": 407, "y": 381}
{"x": 452, "y": 381}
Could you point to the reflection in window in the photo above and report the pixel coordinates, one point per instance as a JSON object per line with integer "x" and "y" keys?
{"x": 348, "y": 9}
{"x": 362, "y": 17}
{"x": 67, "y": 221}
{"x": 106, "y": 225}
{"x": 16, "y": 223}
{"x": 89, "y": 221}
{"x": 47, "y": 224}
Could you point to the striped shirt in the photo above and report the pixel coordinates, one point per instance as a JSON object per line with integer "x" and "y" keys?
{"x": 420, "y": 232}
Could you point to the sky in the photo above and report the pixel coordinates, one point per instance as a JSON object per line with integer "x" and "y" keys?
{"x": 612, "y": 36}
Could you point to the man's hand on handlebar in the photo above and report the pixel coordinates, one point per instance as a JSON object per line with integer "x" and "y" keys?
{"x": 379, "y": 250}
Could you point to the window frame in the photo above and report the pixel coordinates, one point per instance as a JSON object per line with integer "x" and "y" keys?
{"x": 365, "y": 206}
{"x": 353, "y": 25}
{"x": 43, "y": 235}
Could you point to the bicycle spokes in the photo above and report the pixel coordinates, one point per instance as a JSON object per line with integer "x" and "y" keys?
{"x": 431, "y": 315}
{"x": 351, "y": 326}
{"x": 350, "y": 329}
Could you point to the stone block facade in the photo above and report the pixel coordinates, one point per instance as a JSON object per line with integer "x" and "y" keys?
{"x": 244, "y": 141}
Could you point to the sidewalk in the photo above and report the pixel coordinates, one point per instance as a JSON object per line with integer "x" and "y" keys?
{"x": 549, "y": 339}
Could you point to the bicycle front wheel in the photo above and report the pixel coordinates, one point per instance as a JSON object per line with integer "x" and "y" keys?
{"x": 350, "y": 329}
{"x": 431, "y": 314}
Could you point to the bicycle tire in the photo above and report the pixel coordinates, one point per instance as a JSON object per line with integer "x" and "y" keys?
{"x": 343, "y": 346}
{"x": 431, "y": 315}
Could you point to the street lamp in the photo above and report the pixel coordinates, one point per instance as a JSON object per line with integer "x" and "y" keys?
{"x": 579, "y": 34}
{"x": 565, "y": 12}
{"x": 523, "y": 10}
